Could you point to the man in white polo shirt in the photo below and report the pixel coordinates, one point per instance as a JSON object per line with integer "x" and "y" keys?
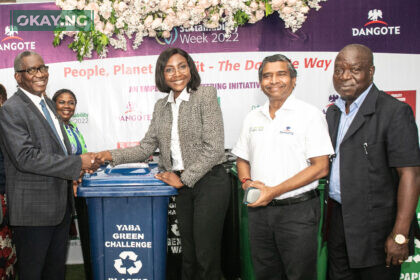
{"x": 283, "y": 150}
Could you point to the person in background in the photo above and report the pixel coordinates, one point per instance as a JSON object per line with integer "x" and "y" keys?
{"x": 7, "y": 249}
{"x": 65, "y": 103}
{"x": 283, "y": 150}
{"x": 187, "y": 127}
{"x": 375, "y": 174}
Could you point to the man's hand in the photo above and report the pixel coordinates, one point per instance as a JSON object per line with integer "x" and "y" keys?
{"x": 75, "y": 185}
{"x": 102, "y": 157}
{"x": 266, "y": 196}
{"x": 247, "y": 184}
{"x": 170, "y": 178}
{"x": 396, "y": 254}
{"x": 88, "y": 161}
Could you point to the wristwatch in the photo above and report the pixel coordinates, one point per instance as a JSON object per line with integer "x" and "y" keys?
{"x": 400, "y": 239}
{"x": 243, "y": 180}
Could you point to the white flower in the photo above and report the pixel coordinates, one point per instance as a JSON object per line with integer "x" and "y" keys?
{"x": 253, "y": 6}
{"x": 148, "y": 21}
{"x": 80, "y": 5}
{"x": 109, "y": 28}
{"x": 259, "y": 14}
{"x": 139, "y": 18}
{"x": 287, "y": 10}
{"x": 157, "y": 23}
{"x": 99, "y": 26}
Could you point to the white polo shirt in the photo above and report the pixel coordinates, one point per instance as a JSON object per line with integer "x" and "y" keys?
{"x": 279, "y": 148}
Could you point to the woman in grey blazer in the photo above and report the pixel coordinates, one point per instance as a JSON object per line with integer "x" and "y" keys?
{"x": 187, "y": 127}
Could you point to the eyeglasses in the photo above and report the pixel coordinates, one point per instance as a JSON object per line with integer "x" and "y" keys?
{"x": 34, "y": 70}
{"x": 172, "y": 70}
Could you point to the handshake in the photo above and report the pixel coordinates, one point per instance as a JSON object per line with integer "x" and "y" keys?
{"x": 92, "y": 161}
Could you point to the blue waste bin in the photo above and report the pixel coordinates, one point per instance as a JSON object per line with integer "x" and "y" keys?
{"x": 128, "y": 210}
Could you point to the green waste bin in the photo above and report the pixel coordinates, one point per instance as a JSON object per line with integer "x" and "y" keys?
{"x": 410, "y": 269}
{"x": 322, "y": 247}
{"x": 247, "y": 271}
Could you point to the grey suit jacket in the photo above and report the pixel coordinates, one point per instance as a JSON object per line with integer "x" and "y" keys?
{"x": 382, "y": 136}
{"x": 201, "y": 136}
{"x": 38, "y": 172}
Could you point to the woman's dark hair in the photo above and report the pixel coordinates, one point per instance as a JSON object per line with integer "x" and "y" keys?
{"x": 61, "y": 91}
{"x": 3, "y": 94}
{"x": 163, "y": 58}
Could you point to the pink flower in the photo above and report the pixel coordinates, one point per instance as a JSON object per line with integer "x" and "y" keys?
{"x": 183, "y": 16}
{"x": 163, "y": 5}
{"x": 259, "y": 14}
{"x": 148, "y": 21}
{"x": 215, "y": 18}
{"x": 99, "y": 26}
{"x": 80, "y": 5}
{"x": 152, "y": 33}
{"x": 168, "y": 22}
{"x": 109, "y": 28}
{"x": 92, "y": 6}
{"x": 204, "y": 4}
{"x": 157, "y": 23}
{"x": 304, "y": 9}
{"x": 276, "y": 4}
{"x": 287, "y": 10}
{"x": 291, "y": 2}
{"x": 253, "y": 6}
{"x": 166, "y": 34}
{"x": 120, "y": 7}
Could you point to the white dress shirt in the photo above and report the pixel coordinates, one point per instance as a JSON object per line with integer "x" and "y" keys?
{"x": 36, "y": 100}
{"x": 176, "y": 155}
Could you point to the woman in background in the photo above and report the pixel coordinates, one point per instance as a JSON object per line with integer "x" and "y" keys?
{"x": 187, "y": 127}
{"x": 7, "y": 249}
{"x": 65, "y": 102}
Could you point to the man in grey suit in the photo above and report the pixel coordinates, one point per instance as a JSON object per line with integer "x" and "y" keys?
{"x": 39, "y": 172}
{"x": 374, "y": 180}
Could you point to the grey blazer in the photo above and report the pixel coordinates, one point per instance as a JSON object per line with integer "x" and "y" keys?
{"x": 38, "y": 173}
{"x": 201, "y": 136}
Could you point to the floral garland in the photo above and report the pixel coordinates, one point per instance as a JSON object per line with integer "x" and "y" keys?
{"x": 117, "y": 20}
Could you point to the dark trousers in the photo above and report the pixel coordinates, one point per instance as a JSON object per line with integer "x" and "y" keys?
{"x": 42, "y": 250}
{"x": 338, "y": 264}
{"x": 83, "y": 223}
{"x": 201, "y": 211}
{"x": 283, "y": 240}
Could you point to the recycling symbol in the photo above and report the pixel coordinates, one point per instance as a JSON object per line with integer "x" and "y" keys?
{"x": 118, "y": 263}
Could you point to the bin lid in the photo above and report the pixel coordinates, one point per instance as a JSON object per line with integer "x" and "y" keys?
{"x": 125, "y": 180}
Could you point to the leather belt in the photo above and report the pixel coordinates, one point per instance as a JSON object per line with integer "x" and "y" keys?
{"x": 295, "y": 199}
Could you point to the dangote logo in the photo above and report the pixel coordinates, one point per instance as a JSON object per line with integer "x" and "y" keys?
{"x": 331, "y": 99}
{"x": 13, "y": 42}
{"x": 131, "y": 114}
{"x": 376, "y": 27}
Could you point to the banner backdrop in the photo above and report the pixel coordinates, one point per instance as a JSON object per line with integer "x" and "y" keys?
{"x": 116, "y": 95}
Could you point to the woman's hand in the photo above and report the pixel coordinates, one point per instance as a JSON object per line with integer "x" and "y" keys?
{"x": 170, "y": 178}
{"x": 102, "y": 157}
